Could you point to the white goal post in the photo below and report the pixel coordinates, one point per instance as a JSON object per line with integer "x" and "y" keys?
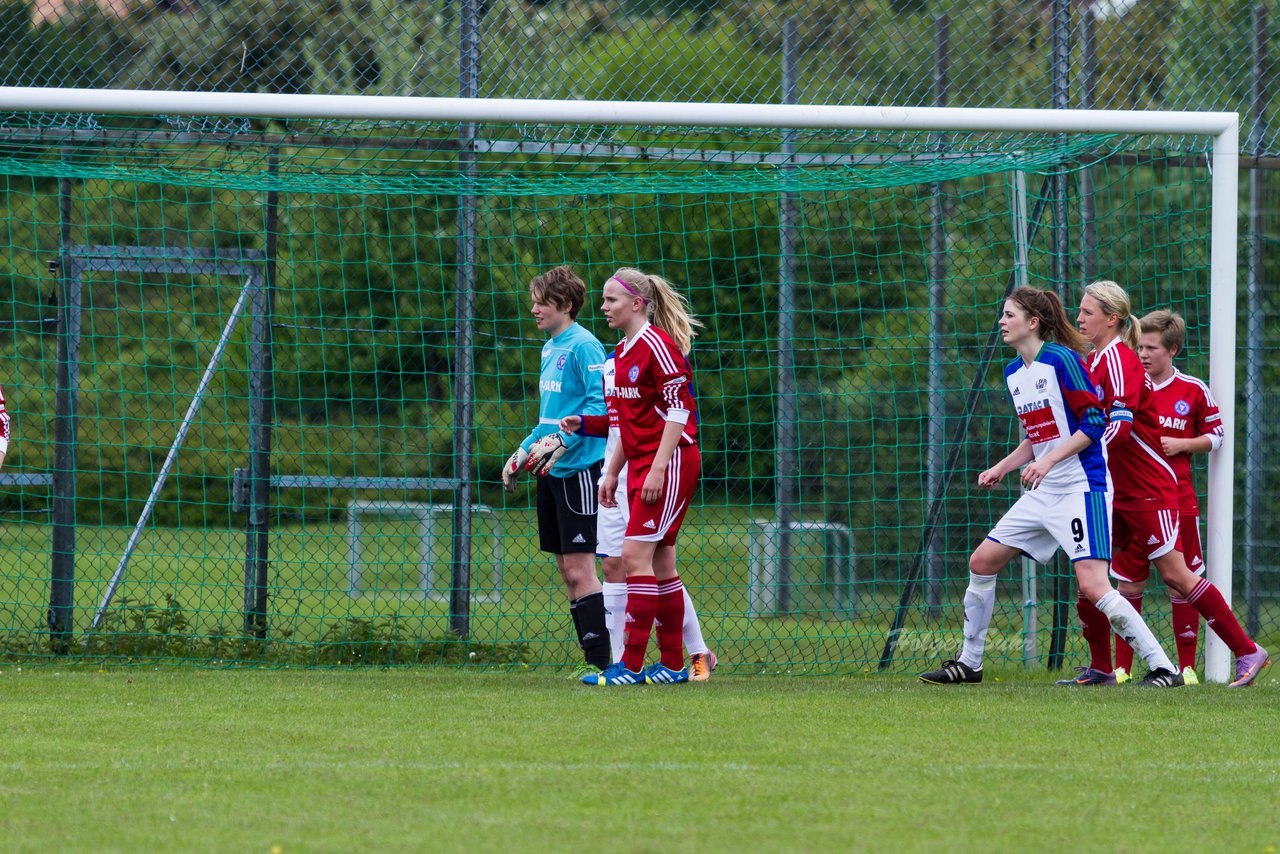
{"x": 1221, "y": 127}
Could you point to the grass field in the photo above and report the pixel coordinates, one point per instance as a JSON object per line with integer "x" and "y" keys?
{"x": 145, "y": 759}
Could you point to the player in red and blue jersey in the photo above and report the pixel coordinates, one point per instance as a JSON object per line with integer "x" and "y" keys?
{"x": 1067, "y": 504}
{"x": 1146, "y": 503}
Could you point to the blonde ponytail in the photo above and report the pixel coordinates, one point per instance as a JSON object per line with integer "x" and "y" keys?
{"x": 668, "y": 309}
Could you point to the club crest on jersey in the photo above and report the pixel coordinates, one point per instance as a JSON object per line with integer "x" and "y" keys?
{"x": 1098, "y": 391}
{"x": 1042, "y": 384}
{"x": 560, "y": 362}
{"x": 1182, "y": 407}
{"x": 634, "y": 373}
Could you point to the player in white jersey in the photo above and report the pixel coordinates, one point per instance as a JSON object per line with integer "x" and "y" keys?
{"x": 611, "y": 527}
{"x": 4, "y": 429}
{"x": 1068, "y": 499}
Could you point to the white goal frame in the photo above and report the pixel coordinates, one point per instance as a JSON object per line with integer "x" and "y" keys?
{"x": 1222, "y": 127}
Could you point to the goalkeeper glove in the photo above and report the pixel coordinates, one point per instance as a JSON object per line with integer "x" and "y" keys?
{"x": 511, "y": 469}
{"x": 545, "y": 452}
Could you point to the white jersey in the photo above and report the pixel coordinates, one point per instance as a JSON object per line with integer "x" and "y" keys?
{"x": 1054, "y": 397}
{"x": 615, "y": 432}
{"x": 611, "y": 522}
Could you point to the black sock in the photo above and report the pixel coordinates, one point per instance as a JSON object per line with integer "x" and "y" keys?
{"x": 577, "y": 623}
{"x": 593, "y": 633}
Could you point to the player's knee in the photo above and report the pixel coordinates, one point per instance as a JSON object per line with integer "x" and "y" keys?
{"x": 1091, "y": 579}
{"x": 1176, "y": 576}
{"x": 636, "y": 564}
{"x": 1092, "y": 587}
{"x": 614, "y": 571}
{"x": 981, "y": 563}
{"x": 1130, "y": 589}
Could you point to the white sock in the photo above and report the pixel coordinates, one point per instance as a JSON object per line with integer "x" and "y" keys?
{"x": 979, "y": 600}
{"x": 615, "y": 616}
{"x": 693, "y": 642}
{"x": 1128, "y": 624}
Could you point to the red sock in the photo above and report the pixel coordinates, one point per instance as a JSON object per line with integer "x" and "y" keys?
{"x": 1097, "y": 633}
{"x": 1124, "y": 652}
{"x": 670, "y": 622}
{"x": 1186, "y": 631}
{"x": 642, "y": 607}
{"x": 1206, "y": 599}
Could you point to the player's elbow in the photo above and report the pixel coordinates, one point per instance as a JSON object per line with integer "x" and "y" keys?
{"x": 1095, "y": 430}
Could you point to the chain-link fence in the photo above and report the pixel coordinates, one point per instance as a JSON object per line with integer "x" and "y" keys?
{"x": 1111, "y": 54}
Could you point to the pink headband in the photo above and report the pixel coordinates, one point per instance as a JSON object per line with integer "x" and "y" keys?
{"x": 629, "y": 289}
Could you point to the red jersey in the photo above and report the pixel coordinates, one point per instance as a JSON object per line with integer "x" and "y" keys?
{"x": 652, "y": 385}
{"x": 1187, "y": 410}
{"x": 4, "y": 426}
{"x": 1140, "y": 471}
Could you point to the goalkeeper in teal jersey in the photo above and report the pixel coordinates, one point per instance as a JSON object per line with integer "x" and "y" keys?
{"x": 570, "y": 383}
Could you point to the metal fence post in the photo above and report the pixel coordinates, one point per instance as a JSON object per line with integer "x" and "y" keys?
{"x": 261, "y": 422}
{"x": 464, "y": 385}
{"x": 1088, "y": 92}
{"x": 63, "y": 552}
{"x": 1254, "y": 402}
{"x": 786, "y": 489}
{"x": 1061, "y": 72}
{"x": 937, "y": 430}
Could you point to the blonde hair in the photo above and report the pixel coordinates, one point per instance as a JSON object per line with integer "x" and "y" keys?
{"x": 1113, "y": 300}
{"x": 1171, "y": 328}
{"x": 667, "y": 308}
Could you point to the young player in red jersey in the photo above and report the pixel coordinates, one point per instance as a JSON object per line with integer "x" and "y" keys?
{"x": 657, "y": 416}
{"x": 1189, "y": 424}
{"x": 1146, "y": 488}
{"x": 1068, "y": 490}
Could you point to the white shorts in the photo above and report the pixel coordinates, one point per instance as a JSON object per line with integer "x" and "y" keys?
{"x": 611, "y": 522}
{"x": 1039, "y": 523}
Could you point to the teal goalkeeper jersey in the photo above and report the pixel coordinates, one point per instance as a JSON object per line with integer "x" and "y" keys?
{"x": 570, "y": 383}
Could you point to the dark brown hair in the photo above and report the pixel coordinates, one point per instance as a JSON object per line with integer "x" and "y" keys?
{"x": 1054, "y": 325}
{"x": 561, "y": 287}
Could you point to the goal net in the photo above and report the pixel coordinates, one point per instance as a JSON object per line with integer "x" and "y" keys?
{"x": 849, "y": 264}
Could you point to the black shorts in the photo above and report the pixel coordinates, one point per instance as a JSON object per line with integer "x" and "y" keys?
{"x": 567, "y": 512}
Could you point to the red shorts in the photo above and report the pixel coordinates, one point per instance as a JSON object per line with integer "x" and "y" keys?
{"x": 658, "y": 522}
{"x": 1139, "y": 537}
{"x": 1189, "y": 543}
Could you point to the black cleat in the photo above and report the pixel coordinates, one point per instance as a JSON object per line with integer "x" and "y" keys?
{"x": 1161, "y": 679}
{"x": 952, "y": 673}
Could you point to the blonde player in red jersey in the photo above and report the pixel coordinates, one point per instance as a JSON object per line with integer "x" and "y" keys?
{"x": 1189, "y": 424}
{"x": 1145, "y": 520}
{"x": 657, "y": 417}
{"x": 611, "y": 528}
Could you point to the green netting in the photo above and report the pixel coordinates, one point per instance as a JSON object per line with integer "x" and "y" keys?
{"x": 365, "y": 267}
{"x": 357, "y": 158}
